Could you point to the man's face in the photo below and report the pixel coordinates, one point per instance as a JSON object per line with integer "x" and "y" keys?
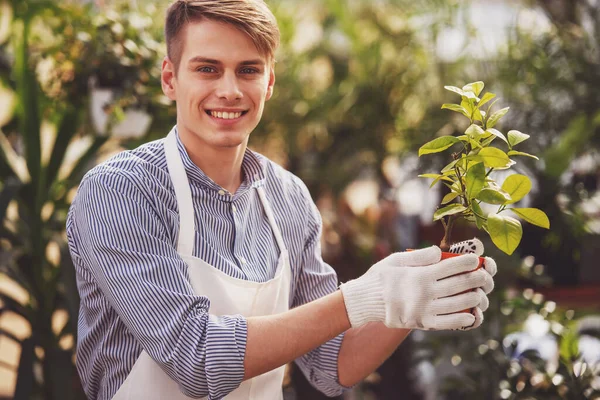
{"x": 221, "y": 85}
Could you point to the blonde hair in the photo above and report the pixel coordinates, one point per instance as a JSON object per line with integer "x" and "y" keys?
{"x": 252, "y": 17}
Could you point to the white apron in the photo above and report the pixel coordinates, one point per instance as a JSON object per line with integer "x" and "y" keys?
{"x": 227, "y": 296}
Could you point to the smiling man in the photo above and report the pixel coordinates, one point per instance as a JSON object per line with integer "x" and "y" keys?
{"x": 198, "y": 260}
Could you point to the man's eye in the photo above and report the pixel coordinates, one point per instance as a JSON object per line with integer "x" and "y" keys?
{"x": 249, "y": 71}
{"x": 205, "y": 69}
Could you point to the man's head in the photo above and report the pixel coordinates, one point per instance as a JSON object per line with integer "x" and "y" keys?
{"x": 251, "y": 17}
{"x": 219, "y": 70}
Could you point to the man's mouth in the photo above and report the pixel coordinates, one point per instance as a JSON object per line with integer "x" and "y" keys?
{"x": 226, "y": 114}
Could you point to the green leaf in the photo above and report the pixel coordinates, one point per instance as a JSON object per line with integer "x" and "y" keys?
{"x": 533, "y": 216}
{"x": 507, "y": 166}
{"x": 448, "y": 210}
{"x": 471, "y": 95}
{"x": 475, "y": 180}
{"x": 438, "y": 144}
{"x": 475, "y": 144}
{"x": 474, "y": 131}
{"x": 486, "y": 97}
{"x": 493, "y": 196}
{"x": 478, "y": 115}
{"x": 496, "y": 133}
{"x": 435, "y": 181}
{"x": 463, "y": 138}
{"x": 27, "y": 106}
{"x": 475, "y": 87}
{"x": 466, "y": 104}
{"x": 517, "y": 186}
{"x": 433, "y": 176}
{"x": 450, "y": 166}
{"x": 449, "y": 197}
{"x": 516, "y": 137}
{"x": 437, "y": 177}
{"x": 520, "y": 153}
{"x": 487, "y": 141}
{"x": 457, "y": 108}
{"x": 66, "y": 130}
{"x": 479, "y": 221}
{"x": 494, "y": 158}
{"x": 455, "y": 90}
{"x": 495, "y": 117}
{"x": 506, "y": 232}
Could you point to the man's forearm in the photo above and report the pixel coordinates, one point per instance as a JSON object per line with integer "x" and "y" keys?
{"x": 365, "y": 348}
{"x": 278, "y": 339}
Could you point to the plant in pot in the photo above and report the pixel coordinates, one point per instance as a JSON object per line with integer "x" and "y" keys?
{"x": 468, "y": 174}
{"x": 125, "y": 53}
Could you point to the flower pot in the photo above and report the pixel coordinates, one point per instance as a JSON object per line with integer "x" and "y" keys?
{"x": 135, "y": 123}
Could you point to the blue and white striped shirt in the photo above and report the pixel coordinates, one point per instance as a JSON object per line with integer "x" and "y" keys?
{"x": 122, "y": 229}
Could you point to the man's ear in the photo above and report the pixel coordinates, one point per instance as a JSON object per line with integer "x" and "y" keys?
{"x": 167, "y": 77}
{"x": 271, "y": 83}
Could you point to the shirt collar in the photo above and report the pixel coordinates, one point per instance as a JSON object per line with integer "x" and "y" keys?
{"x": 253, "y": 168}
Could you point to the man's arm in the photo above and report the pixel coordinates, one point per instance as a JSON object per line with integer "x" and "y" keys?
{"x": 279, "y": 339}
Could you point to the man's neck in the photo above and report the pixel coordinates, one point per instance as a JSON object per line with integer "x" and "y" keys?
{"x": 222, "y": 165}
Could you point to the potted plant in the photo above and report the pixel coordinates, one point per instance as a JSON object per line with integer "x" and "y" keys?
{"x": 125, "y": 51}
{"x": 468, "y": 174}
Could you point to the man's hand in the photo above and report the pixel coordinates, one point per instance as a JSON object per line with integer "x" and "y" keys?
{"x": 415, "y": 290}
{"x": 476, "y": 246}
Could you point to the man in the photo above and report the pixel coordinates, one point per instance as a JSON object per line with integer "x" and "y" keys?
{"x": 198, "y": 260}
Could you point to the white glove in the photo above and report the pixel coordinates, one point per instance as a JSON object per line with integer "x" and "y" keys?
{"x": 476, "y": 246}
{"x": 415, "y": 290}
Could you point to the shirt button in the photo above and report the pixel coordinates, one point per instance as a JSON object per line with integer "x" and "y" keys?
{"x": 233, "y": 209}
{"x": 243, "y": 260}
{"x": 222, "y": 192}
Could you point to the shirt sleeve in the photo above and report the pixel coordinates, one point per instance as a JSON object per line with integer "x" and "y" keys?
{"x": 122, "y": 242}
{"x": 318, "y": 279}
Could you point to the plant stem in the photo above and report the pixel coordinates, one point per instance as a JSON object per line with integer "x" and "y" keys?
{"x": 445, "y": 243}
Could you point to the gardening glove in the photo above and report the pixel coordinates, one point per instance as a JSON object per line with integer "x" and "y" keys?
{"x": 476, "y": 246}
{"x": 415, "y": 290}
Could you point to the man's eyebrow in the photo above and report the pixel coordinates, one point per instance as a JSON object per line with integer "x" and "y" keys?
{"x": 253, "y": 62}
{"x": 200, "y": 59}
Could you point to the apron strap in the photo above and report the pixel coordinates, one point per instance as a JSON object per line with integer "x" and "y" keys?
{"x": 187, "y": 221}
{"x": 267, "y": 207}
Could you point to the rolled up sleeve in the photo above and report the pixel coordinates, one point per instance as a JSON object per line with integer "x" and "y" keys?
{"x": 318, "y": 279}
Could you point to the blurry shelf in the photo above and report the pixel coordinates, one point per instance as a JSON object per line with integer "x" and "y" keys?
{"x": 576, "y": 297}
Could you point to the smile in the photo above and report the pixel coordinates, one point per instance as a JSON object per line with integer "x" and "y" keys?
{"x": 225, "y": 114}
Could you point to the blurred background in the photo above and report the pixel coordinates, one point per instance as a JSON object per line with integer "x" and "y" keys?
{"x": 359, "y": 90}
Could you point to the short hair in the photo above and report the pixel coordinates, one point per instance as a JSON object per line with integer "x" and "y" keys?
{"x": 252, "y": 17}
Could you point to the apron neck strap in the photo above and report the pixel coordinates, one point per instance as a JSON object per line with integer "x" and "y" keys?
{"x": 267, "y": 207}
{"x": 185, "y": 240}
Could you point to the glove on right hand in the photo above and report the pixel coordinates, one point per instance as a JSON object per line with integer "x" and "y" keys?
{"x": 415, "y": 290}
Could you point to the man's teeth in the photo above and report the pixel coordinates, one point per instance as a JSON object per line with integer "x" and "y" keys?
{"x": 225, "y": 115}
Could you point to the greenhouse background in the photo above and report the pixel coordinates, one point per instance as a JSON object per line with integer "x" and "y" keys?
{"x": 359, "y": 89}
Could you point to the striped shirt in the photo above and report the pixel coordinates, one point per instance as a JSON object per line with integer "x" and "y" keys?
{"x": 122, "y": 231}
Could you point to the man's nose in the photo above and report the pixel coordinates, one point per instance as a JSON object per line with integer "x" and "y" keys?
{"x": 228, "y": 87}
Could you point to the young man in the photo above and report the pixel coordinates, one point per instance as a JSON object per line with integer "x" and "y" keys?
{"x": 198, "y": 260}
